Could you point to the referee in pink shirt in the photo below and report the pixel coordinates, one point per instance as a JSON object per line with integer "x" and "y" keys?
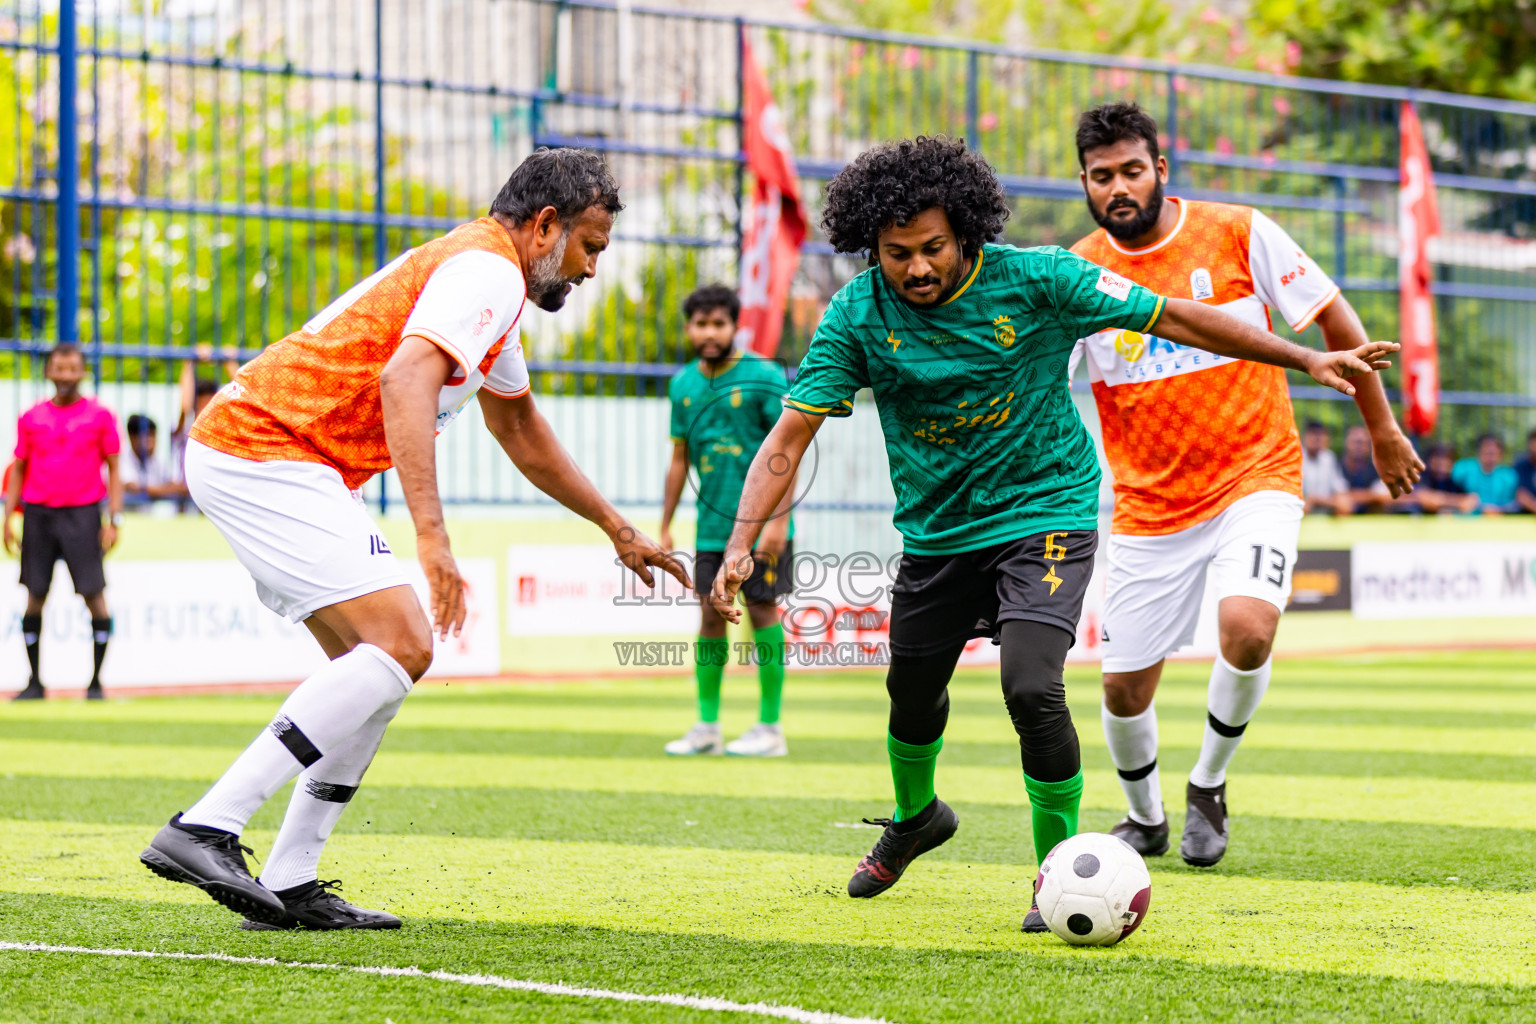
{"x": 61, "y": 445}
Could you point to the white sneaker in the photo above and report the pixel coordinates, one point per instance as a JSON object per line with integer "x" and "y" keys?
{"x": 761, "y": 740}
{"x": 703, "y": 738}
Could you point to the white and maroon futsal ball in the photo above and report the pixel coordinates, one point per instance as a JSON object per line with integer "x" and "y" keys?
{"x": 1093, "y": 890}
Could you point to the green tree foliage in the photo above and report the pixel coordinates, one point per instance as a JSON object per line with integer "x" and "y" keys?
{"x": 1482, "y": 47}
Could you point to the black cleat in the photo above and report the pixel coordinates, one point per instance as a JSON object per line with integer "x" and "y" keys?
{"x": 900, "y": 844}
{"x": 1205, "y": 825}
{"x": 1147, "y": 840}
{"x": 33, "y": 691}
{"x": 314, "y": 907}
{"x": 1033, "y": 922}
{"x": 95, "y": 692}
{"x": 210, "y": 859}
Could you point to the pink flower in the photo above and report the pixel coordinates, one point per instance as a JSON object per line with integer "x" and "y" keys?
{"x": 1118, "y": 79}
{"x": 911, "y": 57}
{"x": 1224, "y": 145}
{"x": 1293, "y": 54}
{"x": 1211, "y": 16}
{"x": 1282, "y": 106}
{"x": 986, "y": 122}
{"x": 1268, "y": 156}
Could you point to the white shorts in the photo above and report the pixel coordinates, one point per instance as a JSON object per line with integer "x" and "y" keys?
{"x": 1154, "y": 585}
{"x": 305, "y": 538}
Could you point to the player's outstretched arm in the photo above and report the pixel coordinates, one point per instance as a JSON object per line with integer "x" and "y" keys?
{"x": 529, "y": 441}
{"x": 1397, "y": 463}
{"x": 764, "y": 493}
{"x": 409, "y": 388}
{"x": 1187, "y": 322}
{"x": 672, "y": 493}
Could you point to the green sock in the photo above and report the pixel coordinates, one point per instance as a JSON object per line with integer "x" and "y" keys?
{"x": 1053, "y": 811}
{"x": 770, "y": 671}
{"x": 709, "y": 656}
{"x": 912, "y": 768}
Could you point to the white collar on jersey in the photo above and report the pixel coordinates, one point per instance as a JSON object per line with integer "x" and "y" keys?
{"x": 1183, "y": 212}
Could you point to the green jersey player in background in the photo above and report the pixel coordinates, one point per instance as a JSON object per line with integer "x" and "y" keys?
{"x": 965, "y": 345}
{"x": 723, "y": 405}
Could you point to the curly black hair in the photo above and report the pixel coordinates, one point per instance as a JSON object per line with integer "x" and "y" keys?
{"x": 710, "y": 297}
{"x": 895, "y": 181}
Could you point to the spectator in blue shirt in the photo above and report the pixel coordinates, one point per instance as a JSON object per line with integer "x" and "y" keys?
{"x": 1525, "y": 475}
{"x": 1486, "y": 476}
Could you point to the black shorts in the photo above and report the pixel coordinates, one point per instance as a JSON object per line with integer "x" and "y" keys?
{"x": 771, "y": 577}
{"x": 72, "y": 533}
{"x": 942, "y": 601}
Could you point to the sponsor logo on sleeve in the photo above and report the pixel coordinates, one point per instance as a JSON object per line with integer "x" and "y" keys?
{"x": 1113, "y": 285}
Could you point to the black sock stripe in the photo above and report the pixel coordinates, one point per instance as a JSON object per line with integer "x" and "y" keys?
{"x": 1137, "y": 774}
{"x": 331, "y": 792}
{"x": 294, "y": 739}
{"x": 1221, "y": 728}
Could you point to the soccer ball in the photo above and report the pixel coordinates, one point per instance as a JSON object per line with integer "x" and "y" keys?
{"x": 1093, "y": 890}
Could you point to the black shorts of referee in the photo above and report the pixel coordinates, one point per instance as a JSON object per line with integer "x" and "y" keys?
{"x": 71, "y": 533}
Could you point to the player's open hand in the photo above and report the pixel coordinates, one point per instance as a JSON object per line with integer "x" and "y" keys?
{"x": 108, "y": 537}
{"x": 735, "y": 569}
{"x": 1398, "y": 465}
{"x": 1331, "y": 368}
{"x": 444, "y": 583}
{"x": 638, "y": 553}
{"x": 9, "y": 532}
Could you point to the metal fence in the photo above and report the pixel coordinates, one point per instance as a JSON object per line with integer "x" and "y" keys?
{"x": 193, "y": 184}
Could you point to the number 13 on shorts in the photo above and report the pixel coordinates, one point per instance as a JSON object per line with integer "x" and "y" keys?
{"x": 1269, "y": 564}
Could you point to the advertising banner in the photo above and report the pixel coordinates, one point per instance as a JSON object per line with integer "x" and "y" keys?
{"x": 1444, "y": 579}
{"x": 837, "y": 616}
{"x": 192, "y": 623}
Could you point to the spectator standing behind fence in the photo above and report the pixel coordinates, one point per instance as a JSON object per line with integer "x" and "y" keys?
{"x": 1487, "y": 477}
{"x": 146, "y": 478}
{"x": 1525, "y": 475}
{"x": 1323, "y": 488}
{"x": 61, "y": 446}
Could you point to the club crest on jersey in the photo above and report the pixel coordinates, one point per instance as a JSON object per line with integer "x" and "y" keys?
{"x": 1002, "y": 327}
{"x": 1200, "y": 286}
{"x": 1113, "y": 285}
{"x": 486, "y": 316}
{"x": 1130, "y": 345}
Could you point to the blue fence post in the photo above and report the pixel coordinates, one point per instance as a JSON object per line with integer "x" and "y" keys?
{"x": 380, "y": 223}
{"x": 1340, "y": 237}
{"x": 972, "y": 99}
{"x": 741, "y": 139}
{"x": 67, "y": 178}
{"x": 1172, "y": 124}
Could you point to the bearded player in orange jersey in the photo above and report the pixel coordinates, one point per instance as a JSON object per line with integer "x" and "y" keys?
{"x": 1206, "y": 461}
{"x": 276, "y": 463}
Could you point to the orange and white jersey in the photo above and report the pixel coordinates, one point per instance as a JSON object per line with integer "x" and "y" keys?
{"x": 1187, "y": 432}
{"x": 314, "y": 396}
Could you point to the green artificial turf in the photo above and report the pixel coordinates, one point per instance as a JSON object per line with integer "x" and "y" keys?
{"x": 1383, "y": 865}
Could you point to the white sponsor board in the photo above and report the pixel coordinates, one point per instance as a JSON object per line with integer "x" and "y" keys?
{"x": 1443, "y": 579}
{"x": 837, "y": 615}
{"x": 582, "y": 590}
{"x": 187, "y": 623}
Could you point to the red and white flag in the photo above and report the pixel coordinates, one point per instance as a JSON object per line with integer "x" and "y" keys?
{"x": 773, "y": 223}
{"x": 1417, "y": 221}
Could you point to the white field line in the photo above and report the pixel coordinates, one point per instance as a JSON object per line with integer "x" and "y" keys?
{"x": 709, "y": 1003}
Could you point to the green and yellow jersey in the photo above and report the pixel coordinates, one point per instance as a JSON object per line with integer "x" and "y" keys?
{"x": 985, "y": 443}
{"x": 723, "y": 418}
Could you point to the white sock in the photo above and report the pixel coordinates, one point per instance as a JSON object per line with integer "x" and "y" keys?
{"x": 1231, "y": 701}
{"x": 319, "y": 797}
{"x": 1133, "y": 747}
{"x": 318, "y": 715}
